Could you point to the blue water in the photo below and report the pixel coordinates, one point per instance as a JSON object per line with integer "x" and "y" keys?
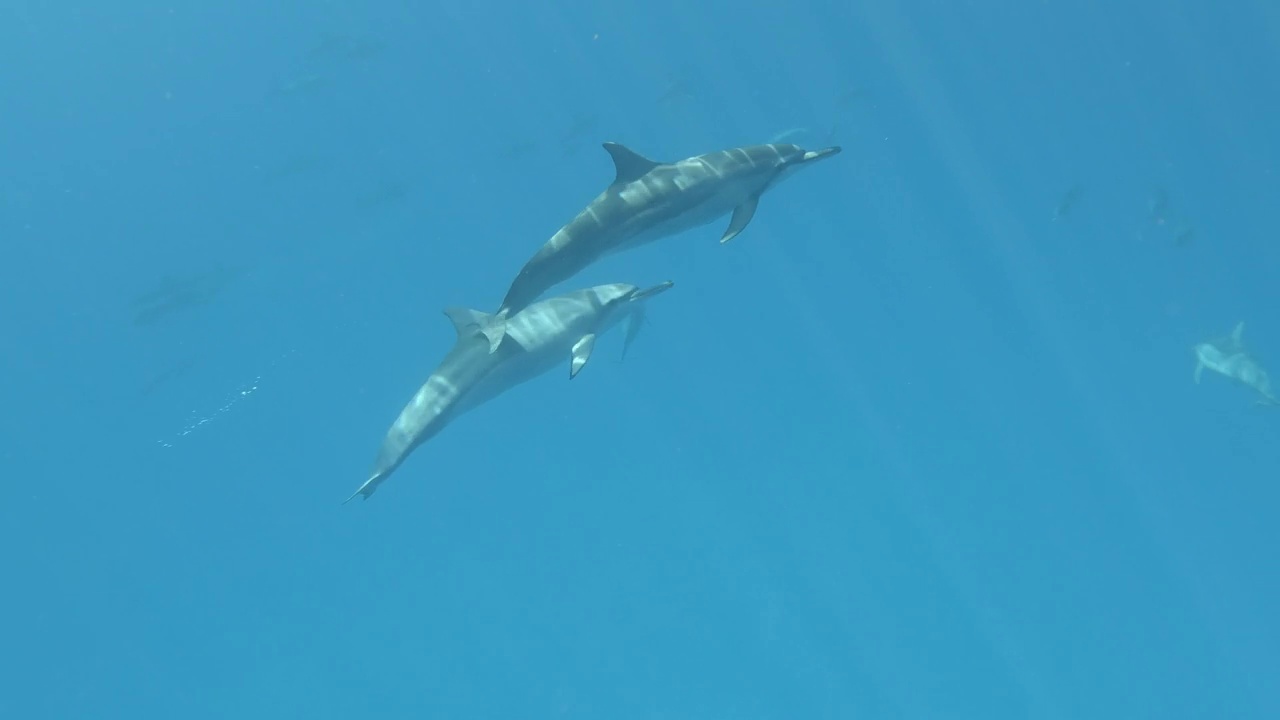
{"x": 917, "y": 444}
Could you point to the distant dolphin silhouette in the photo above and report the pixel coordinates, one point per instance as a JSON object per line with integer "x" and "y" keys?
{"x": 1227, "y": 356}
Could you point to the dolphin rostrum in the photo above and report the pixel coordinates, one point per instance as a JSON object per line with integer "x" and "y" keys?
{"x": 649, "y": 200}
{"x": 542, "y": 335}
{"x": 1227, "y": 356}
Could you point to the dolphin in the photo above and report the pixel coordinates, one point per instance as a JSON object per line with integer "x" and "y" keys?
{"x": 542, "y": 335}
{"x": 1227, "y": 356}
{"x": 649, "y": 200}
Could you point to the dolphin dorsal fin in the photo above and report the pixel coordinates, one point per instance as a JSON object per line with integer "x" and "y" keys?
{"x": 628, "y": 164}
{"x": 467, "y": 322}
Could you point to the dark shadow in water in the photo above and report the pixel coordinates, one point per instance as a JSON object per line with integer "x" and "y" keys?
{"x": 177, "y": 293}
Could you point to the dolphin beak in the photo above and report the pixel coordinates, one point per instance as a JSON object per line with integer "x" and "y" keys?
{"x": 827, "y": 152}
{"x": 655, "y": 290}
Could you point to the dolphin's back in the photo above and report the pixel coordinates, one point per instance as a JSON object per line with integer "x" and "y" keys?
{"x": 748, "y": 159}
{"x": 672, "y": 198}
{"x": 440, "y": 399}
{"x": 455, "y": 386}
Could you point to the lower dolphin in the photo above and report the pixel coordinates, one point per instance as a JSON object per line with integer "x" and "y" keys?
{"x": 539, "y": 337}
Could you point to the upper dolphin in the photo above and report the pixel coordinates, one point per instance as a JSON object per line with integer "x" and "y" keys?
{"x": 648, "y": 200}
{"x": 542, "y": 335}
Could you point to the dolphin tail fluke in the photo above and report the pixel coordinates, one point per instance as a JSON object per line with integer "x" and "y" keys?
{"x": 367, "y": 488}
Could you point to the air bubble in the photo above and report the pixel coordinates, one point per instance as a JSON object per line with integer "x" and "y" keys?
{"x": 200, "y": 419}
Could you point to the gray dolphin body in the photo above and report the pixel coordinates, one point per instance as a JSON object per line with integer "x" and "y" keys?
{"x": 1228, "y": 357}
{"x": 649, "y": 200}
{"x": 541, "y": 336}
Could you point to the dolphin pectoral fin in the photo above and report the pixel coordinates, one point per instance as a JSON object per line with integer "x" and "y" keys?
{"x": 634, "y": 323}
{"x": 1199, "y": 370}
{"x": 581, "y": 354}
{"x": 628, "y": 165}
{"x": 741, "y": 217}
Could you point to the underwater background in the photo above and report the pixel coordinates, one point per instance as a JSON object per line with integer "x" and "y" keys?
{"x": 922, "y": 442}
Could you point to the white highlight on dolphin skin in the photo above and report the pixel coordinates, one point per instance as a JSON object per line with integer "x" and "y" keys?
{"x": 199, "y": 419}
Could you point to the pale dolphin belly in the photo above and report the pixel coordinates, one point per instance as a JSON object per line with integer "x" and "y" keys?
{"x": 1251, "y": 373}
{"x": 517, "y": 371}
